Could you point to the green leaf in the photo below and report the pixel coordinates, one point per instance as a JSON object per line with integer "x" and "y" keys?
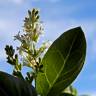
{"x": 12, "y": 86}
{"x": 70, "y": 90}
{"x": 66, "y": 94}
{"x": 62, "y": 63}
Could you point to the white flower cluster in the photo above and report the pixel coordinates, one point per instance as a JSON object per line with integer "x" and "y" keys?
{"x": 39, "y": 28}
{"x": 28, "y": 50}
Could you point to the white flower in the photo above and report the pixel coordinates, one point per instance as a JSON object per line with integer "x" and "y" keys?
{"x": 39, "y": 29}
{"x": 48, "y": 44}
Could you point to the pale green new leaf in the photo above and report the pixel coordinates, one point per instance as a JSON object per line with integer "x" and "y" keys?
{"x": 62, "y": 63}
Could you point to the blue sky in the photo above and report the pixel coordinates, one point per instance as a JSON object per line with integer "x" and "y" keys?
{"x": 58, "y": 16}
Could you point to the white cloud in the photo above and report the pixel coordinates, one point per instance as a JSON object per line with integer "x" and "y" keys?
{"x": 35, "y": 0}
{"x": 3, "y": 24}
{"x": 54, "y": 1}
{"x": 92, "y": 93}
{"x": 88, "y": 26}
{"x": 7, "y": 28}
{"x": 21, "y": 1}
{"x": 16, "y": 1}
{"x": 93, "y": 49}
{"x": 94, "y": 45}
{"x": 2, "y": 54}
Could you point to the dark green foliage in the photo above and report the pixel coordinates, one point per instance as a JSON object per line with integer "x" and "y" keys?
{"x": 10, "y": 55}
{"x": 12, "y": 59}
{"x": 30, "y": 76}
{"x": 12, "y": 86}
{"x": 62, "y": 63}
{"x": 66, "y": 94}
{"x": 18, "y": 74}
{"x": 69, "y": 91}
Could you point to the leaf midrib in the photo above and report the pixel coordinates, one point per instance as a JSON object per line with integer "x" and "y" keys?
{"x": 75, "y": 71}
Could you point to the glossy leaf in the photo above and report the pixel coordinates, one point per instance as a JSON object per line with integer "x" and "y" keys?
{"x": 13, "y": 86}
{"x": 69, "y": 91}
{"x": 66, "y": 94}
{"x": 62, "y": 63}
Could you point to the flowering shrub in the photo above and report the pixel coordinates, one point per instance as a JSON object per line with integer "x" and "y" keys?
{"x": 54, "y": 67}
